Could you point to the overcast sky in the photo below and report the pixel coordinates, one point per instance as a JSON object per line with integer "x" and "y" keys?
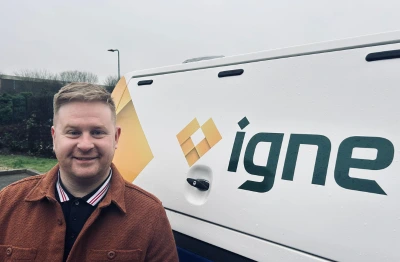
{"x": 75, "y": 35}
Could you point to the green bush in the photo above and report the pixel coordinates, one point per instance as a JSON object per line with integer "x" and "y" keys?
{"x": 19, "y": 108}
{"x": 6, "y": 112}
{"x": 25, "y": 122}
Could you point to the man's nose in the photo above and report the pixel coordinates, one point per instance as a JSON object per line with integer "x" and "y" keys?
{"x": 85, "y": 142}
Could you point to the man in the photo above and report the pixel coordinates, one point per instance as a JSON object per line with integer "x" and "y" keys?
{"x": 82, "y": 209}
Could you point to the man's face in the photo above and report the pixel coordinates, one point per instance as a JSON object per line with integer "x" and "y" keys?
{"x": 84, "y": 139}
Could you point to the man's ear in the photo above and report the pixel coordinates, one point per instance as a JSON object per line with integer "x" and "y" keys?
{"x": 117, "y": 135}
{"x": 53, "y": 135}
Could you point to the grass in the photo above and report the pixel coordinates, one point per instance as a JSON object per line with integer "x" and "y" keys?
{"x": 26, "y": 162}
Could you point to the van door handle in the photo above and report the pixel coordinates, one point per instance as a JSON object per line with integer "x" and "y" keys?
{"x": 392, "y": 54}
{"x": 236, "y": 72}
{"x": 200, "y": 184}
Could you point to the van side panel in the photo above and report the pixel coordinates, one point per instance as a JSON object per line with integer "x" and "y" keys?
{"x": 307, "y": 161}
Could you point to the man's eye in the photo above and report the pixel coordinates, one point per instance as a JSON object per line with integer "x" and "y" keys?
{"x": 73, "y": 133}
{"x": 97, "y": 133}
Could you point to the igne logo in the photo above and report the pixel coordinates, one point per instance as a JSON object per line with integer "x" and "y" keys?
{"x": 344, "y": 160}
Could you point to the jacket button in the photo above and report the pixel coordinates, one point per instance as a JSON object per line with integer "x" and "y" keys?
{"x": 111, "y": 254}
{"x": 9, "y": 251}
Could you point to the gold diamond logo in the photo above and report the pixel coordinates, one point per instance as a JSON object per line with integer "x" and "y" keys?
{"x": 194, "y": 152}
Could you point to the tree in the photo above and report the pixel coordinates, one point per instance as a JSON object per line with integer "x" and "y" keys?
{"x": 37, "y": 75}
{"x": 65, "y": 76}
{"x": 111, "y": 81}
{"x": 78, "y": 76}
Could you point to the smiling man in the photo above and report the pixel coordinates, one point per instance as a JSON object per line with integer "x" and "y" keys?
{"x": 82, "y": 209}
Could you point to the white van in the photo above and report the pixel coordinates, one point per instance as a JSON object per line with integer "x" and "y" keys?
{"x": 283, "y": 155}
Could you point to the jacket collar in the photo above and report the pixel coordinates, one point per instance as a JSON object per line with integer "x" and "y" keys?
{"x": 46, "y": 187}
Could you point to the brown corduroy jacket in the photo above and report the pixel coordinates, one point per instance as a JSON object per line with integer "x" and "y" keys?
{"x": 129, "y": 224}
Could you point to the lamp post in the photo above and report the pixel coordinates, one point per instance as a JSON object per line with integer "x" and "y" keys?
{"x": 113, "y": 50}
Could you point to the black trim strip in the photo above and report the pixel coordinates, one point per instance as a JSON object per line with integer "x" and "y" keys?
{"x": 207, "y": 250}
{"x": 383, "y": 55}
{"x": 247, "y": 234}
{"x": 236, "y": 72}
{"x": 144, "y": 82}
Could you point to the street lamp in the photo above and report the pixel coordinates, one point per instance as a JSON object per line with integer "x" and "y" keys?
{"x": 113, "y": 50}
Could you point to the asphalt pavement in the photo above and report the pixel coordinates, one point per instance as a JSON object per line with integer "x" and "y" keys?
{"x": 11, "y": 176}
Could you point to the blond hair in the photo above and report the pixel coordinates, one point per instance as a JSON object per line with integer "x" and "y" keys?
{"x": 82, "y": 92}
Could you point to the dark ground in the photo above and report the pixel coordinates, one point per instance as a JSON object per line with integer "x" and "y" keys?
{"x": 8, "y": 177}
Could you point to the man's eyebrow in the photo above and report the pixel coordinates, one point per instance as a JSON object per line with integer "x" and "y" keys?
{"x": 99, "y": 127}
{"x": 71, "y": 126}
{"x": 78, "y": 127}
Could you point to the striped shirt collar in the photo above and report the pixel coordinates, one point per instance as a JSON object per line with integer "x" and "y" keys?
{"x": 94, "y": 199}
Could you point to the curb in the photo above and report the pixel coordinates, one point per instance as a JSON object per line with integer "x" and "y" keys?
{"x": 19, "y": 171}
